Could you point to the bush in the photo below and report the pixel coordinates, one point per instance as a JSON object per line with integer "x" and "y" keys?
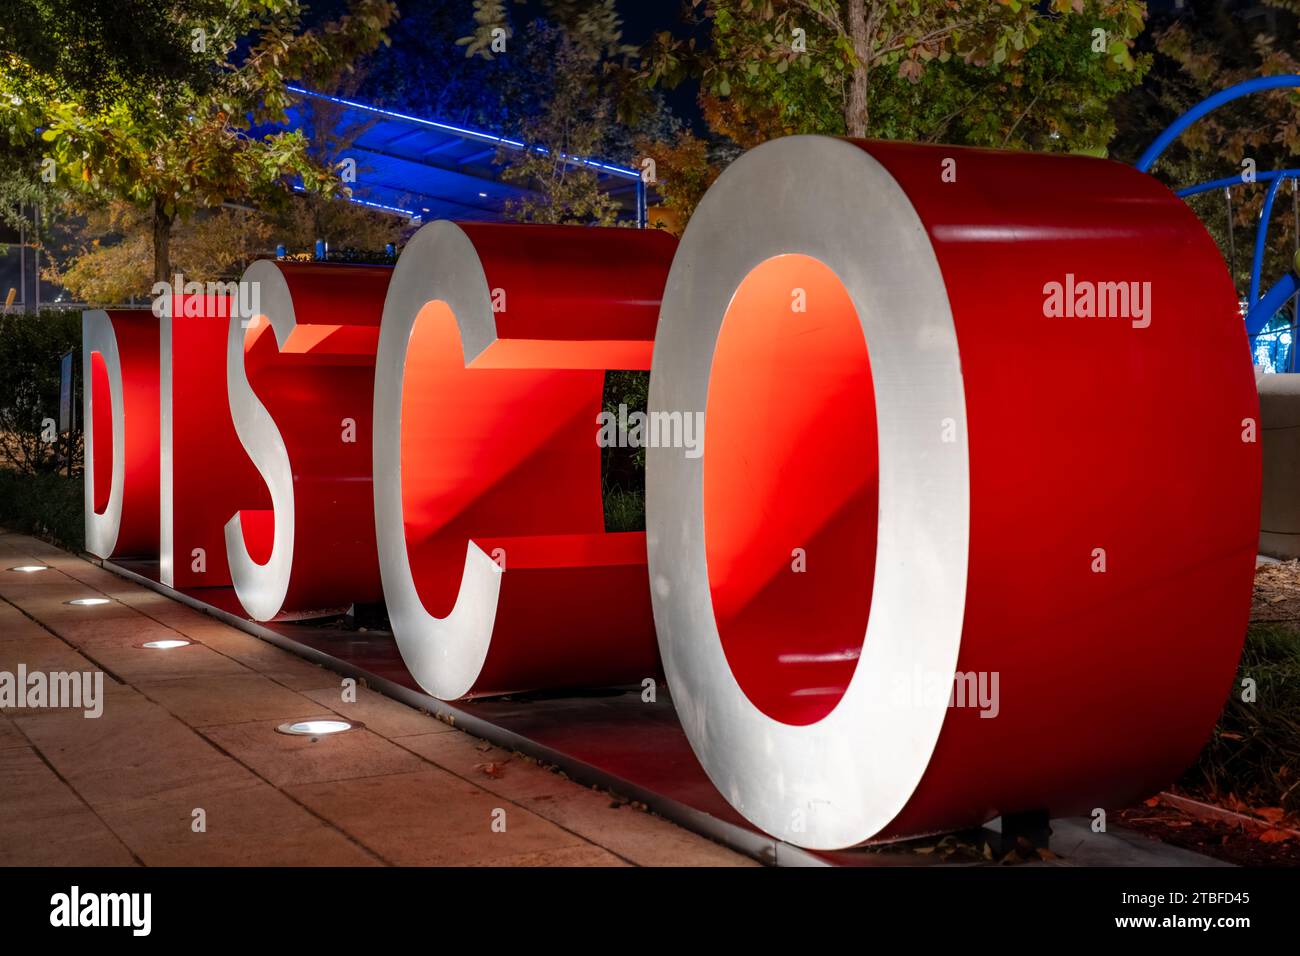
{"x": 622, "y": 470}
{"x": 1254, "y": 754}
{"x": 30, "y": 350}
{"x": 47, "y": 505}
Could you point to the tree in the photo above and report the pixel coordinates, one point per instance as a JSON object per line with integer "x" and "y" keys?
{"x": 1057, "y": 96}
{"x": 99, "y": 49}
{"x": 30, "y": 349}
{"x": 999, "y": 73}
{"x": 342, "y": 225}
{"x": 856, "y": 67}
{"x": 578, "y": 97}
{"x": 1208, "y": 47}
{"x": 686, "y": 166}
{"x": 425, "y": 72}
{"x": 573, "y": 122}
{"x": 191, "y": 139}
{"x": 110, "y": 257}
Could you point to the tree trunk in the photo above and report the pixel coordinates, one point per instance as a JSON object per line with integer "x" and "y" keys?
{"x": 162, "y": 242}
{"x": 855, "y": 110}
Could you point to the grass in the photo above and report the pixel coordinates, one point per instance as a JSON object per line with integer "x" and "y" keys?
{"x": 622, "y": 470}
{"x": 47, "y": 505}
{"x": 1254, "y": 753}
{"x": 624, "y": 510}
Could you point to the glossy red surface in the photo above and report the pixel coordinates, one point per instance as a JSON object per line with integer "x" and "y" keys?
{"x": 210, "y": 474}
{"x": 101, "y": 422}
{"x": 319, "y": 389}
{"x": 136, "y": 333}
{"x": 504, "y": 453}
{"x": 1088, "y": 433}
{"x": 790, "y": 488}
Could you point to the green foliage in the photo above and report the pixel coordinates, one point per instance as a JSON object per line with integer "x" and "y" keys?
{"x": 51, "y": 506}
{"x": 622, "y": 470}
{"x": 97, "y": 51}
{"x": 573, "y": 64}
{"x": 21, "y": 190}
{"x": 1039, "y": 76}
{"x": 109, "y": 256}
{"x": 1254, "y": 754}
{"x": 1207, "y": 50}
{"x": 573, "y": 123}
{"x": 986, "y": 72}
{"x": 31, "y": 347}
{"x": 624, "y": 510}
{"x": 1056, "y": 97}
{"x": 104, "y": 50}
{"x": 593, "y": 26}
{"x": 185, "y": 142}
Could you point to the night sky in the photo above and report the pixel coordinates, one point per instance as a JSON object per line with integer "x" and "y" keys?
{"x": 641, "y": 18}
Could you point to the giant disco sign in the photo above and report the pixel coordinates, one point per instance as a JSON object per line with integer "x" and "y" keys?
{"x": 926, "y": 479}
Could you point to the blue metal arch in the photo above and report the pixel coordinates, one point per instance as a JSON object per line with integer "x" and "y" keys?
{"x": 1259, "y": 308}
{"x": 1259, "y": 84}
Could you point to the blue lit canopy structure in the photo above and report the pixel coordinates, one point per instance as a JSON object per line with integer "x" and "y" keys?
{"x": 428, "y": 169}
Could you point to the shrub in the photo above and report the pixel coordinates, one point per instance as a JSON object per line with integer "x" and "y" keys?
{"x": 1254, "y": 753}
{"x": 30, "y": 349}
{"x": 622, "y": 470}
{"x": 47, "y": 505}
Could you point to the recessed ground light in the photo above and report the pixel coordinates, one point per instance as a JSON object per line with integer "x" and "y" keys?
{"x": 317, "y": 727}
{"x": 30, "y": 568}
{"x": 484, "y": 195}
{"x": 88, "y": 602}
{"x": 164, "y": 645}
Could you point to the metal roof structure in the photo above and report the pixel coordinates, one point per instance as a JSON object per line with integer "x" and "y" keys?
{"x": 428, "y": 169}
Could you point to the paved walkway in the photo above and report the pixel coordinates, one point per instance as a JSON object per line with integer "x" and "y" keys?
{"x": 187, "y": 736}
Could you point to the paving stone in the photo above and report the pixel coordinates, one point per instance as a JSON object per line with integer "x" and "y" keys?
{"x": 431, "y": 818}
{"x": 10, "y": 736}
{"x": 564, "y": 856}
{"x": 233, "y": 699}
{"x": 83, "y": 630}
{"x": 285, "y": 759}
{"x": 254, "y": 825}
{"x": 635, "y": 835}
{"x": 273, "y": 662}
{"x": 125, "y": 657}
{"x": 41, "y": 651}
{"x": 43, "y": 823}
{"x": 381, "y": 714}
{"x": 135, "y": 754}
{"x": 194, "y": 728}
{"x": 95, "y": 577}
{"x": 15, "y": 625}
{"x": 20, "y": 587}
{"x": 49, "y": 656}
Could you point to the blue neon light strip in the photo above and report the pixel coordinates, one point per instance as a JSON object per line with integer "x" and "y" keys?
{"x": 468, "y": 133}
{"x": 373, "y": 205}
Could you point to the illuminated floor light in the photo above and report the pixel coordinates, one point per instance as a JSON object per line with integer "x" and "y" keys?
{"x": 88, "y": 602}
{"x": 165, "y": 645}
{"x": 317, "y": 727}
{"x": 30, "y": 568}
